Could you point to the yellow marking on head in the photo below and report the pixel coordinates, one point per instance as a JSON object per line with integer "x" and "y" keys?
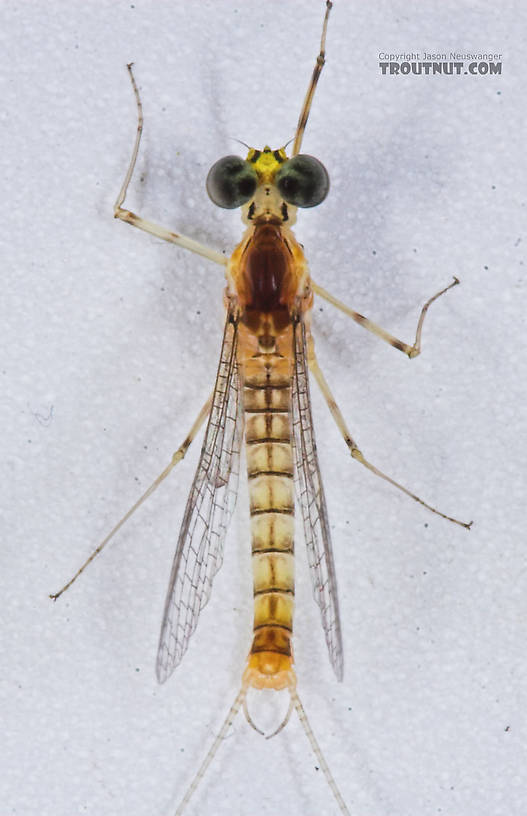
{"x": 266, "y": 162}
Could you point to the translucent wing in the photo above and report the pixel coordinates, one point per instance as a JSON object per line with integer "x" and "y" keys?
{"x": 310, "y": 495}
{"x": 199, "y": 552}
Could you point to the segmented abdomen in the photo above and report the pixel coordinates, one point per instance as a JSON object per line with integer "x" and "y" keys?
{"x": 267, "y": 394}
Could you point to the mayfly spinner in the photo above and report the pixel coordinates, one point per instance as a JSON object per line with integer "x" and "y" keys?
{"x": 261, "y": 395}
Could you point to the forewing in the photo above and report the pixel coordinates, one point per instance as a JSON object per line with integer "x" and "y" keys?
{"x": 310, "y": 495}
{"x": 199, "y": 552}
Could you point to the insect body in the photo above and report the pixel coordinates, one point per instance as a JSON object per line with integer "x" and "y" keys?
{"x": 261, "y": 388}
{"x": 269, "y": 298}
{"x": 262, "y": 384}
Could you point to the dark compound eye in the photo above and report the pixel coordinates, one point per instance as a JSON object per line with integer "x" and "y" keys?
{"x": 302, "y": 181}
{"x": 231, "y": 182}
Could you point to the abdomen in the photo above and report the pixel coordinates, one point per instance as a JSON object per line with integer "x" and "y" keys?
{"x": 267, "y": 392}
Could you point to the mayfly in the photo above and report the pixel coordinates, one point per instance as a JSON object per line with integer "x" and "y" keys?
{"x": 262, "y": 393}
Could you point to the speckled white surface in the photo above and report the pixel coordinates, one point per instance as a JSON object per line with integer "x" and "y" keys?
{"x": 109, "y": 347}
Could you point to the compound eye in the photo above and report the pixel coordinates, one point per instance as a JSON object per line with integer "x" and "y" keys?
{"x": 302, "y": 181}
{"x": 231, "y": 182}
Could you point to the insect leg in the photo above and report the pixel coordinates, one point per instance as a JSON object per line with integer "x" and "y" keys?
{"x": 411, "y": 351}
{"x": 353, "y": 447}
{"x": 177, "y": 457}
{"x": 142, "y": 223}
{"x": 319, "y": 64}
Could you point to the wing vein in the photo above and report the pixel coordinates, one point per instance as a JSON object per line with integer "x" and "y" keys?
{"x": 199, "y": 551}
{"x": 312, "y": 502}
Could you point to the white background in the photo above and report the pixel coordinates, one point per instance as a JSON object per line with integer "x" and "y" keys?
{"x": 109, "y": 348}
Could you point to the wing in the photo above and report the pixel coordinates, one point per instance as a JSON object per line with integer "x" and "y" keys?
{"x": 310, "y": 495}
{"x": 199, "y": 552}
